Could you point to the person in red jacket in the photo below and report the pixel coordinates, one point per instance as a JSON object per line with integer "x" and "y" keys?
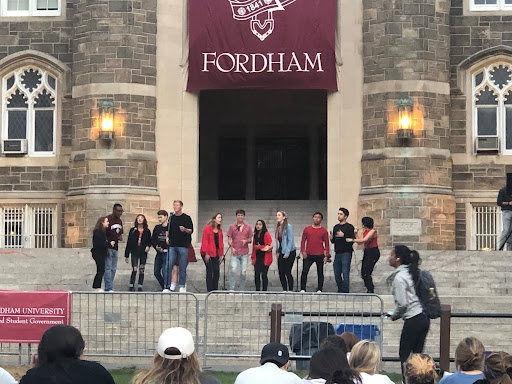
{"x": 212, "y": 251}
{"x": 261, "y": 255}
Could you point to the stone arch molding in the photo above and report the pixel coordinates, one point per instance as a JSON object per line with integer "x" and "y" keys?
{"x": 468, "y": 64}
{"x": 37, "y": 58}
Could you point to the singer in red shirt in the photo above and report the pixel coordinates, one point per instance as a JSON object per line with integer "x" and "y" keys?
{"x": 315, "y": 249}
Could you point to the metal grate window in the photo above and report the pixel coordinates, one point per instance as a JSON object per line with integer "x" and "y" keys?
{"x": 44, "y": 231}
{"x": 29, "y": 226}
{"x": 486, "y": 227}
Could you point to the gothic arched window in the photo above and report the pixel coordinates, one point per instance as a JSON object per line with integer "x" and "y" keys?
{"x": 29, "y": 109}
{"x": 492, "y": 104}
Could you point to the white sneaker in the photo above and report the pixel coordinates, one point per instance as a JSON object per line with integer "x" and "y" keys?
{"x": 319, "y": 291}
{"x": 173, "y": 287}
{"x": 183, "y": 289}
{"x": 302, "y": 291}
{"x": 166, "y": 290}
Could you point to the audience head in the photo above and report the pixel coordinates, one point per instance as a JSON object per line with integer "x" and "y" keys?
{"x": 420, "y": 369}
{"x": 350, "y": 340}
{"x": 58, "y": 343}
{"x": 469, "y": 355}
{"x": 334, "y": 341}
{"x": 498, "y": 368}
{"x": 276, "y": 353}
{"x": 326, "y": 361}
{"x": 175, "y": 361}
{"x": 365, "y": 357}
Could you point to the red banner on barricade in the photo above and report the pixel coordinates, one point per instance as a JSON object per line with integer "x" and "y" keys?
{"x": 25, "y": 316}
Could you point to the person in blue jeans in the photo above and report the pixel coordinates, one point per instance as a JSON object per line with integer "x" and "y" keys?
{"x": 114, "y": 234}
{"x": 179, "y": 238}
{"x": 343, "y": 250}
{"x": 159, "y": 242}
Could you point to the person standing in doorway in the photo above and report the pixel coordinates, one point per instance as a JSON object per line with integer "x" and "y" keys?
{"x": 179, "y": 238}
{"x": 505, "y": 203}
{"x": 138, "y": 245}
{"x": 371, "y": 253}
{"x": 212, "y": 251}
{"x": 261, "y": 256}
{"x": 315, "y": 249}
{"x": 285, "y": 249}
{"x": 343, "y": 250}
{"x": 114, "y": 233}
{"x": 239, "y": 237}
{"x": 159, "y": 242}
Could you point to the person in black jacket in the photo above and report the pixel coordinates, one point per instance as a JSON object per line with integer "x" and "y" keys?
{"x": 100, "y": 246}
{"x": 138, "y": 244}
{"x": 59, "y": 360}
{"x": 159, "y": 242}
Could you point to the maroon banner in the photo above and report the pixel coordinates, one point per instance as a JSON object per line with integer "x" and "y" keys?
{"x": 262, "y": 44}
{"x": 25, "y": 316}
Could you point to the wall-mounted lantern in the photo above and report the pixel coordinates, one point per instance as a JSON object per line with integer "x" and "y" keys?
{"x": 404, "y": 130}
{"x": 106, "y": 119}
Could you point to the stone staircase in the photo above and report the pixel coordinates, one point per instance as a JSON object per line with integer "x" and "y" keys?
{"x": 471, "y": 281}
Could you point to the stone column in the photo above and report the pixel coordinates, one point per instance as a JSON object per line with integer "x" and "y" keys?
{"x": 314, "y": 163}
{"x": 406, "y": 47}
{"x": 114, "y": 58}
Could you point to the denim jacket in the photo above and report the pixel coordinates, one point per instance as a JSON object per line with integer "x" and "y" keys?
{"x": 288, "y": 244}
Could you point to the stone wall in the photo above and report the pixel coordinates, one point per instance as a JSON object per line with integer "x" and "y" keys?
{"x": 114, "y": 57}
{"x": 472, "y": 33}
{"x": 407, "y": 55}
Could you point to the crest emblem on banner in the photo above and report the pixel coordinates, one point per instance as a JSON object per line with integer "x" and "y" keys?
{"x": 251, "y": 9}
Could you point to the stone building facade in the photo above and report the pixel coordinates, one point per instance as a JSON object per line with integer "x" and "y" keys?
{"x": 134, "y": 53}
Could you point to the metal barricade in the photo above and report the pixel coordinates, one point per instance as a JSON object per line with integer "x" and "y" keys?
{"x": 238, "y": 324}
{"x": 130, "y": 323}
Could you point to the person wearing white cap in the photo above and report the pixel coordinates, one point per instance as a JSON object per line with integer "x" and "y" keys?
{"x": 175, "y": 361}
{"x": 273, "y": 370}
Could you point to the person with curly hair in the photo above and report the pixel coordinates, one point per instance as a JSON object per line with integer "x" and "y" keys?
{"x": 420, "y": 369}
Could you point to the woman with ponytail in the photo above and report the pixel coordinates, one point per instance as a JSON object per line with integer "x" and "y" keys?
{"x": 402, "y": 281}
{"x": 498, "y": 368}
{"x": 469, "y": 360}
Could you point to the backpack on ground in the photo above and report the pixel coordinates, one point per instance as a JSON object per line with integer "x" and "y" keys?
{"x": 427, "y": 293}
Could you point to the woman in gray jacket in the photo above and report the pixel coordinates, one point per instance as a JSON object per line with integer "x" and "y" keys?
{"x": 408, "y": 306}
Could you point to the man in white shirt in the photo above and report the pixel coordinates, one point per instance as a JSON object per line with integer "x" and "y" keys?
{"x": 273, "y": 370}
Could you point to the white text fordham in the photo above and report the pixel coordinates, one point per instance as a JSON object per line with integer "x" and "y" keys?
{"x": 259, "y": 62}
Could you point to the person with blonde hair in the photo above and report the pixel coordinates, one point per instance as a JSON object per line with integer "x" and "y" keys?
{"x": 420, "y": 369}
{"x": 176, "y": 361}
{"x": 469, "y": 360}
{"x": 365, "y": 360}
{"x": 498, "y": 368}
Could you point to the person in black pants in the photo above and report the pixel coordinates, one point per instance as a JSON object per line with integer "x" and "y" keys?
{"x": 285, "y": 244}
{"x": 371, "y": 253}
{"x": 138, "y": 245}
{"x": 99, "y": 250}
{"x": 315, "y": 250}
{"x": 212, "y": 251}
{"x": 408, "y": 306}
{"x": 261, "y": 256}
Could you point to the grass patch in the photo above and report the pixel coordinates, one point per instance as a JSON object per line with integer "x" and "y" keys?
{"x": 224, "y": 377}
{"x": 123, "y": 375}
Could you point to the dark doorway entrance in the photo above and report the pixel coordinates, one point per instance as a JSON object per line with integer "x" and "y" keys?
{"x": 263, "y": 145}
{"x": 282, "y": 169}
